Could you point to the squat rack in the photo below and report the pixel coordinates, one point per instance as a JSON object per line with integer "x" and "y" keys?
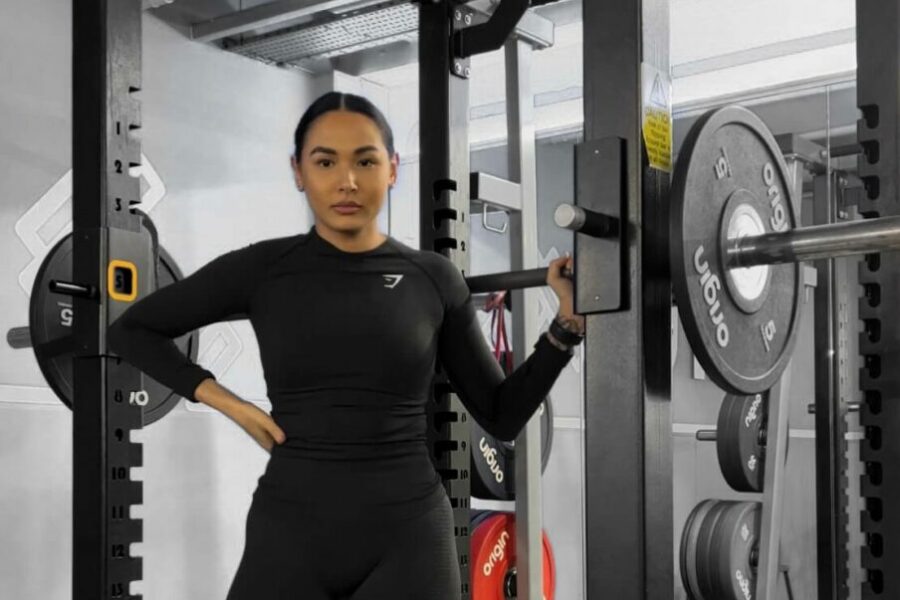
{"x": 107, "y": 72}
{"x": 629, "y": 378}
{"x": 629, "y": 374}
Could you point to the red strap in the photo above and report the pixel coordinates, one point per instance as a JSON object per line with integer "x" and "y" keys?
{"x": 499, "y": 338}
{"x": 509, "y": 354}
{"x": 494, "y": 338}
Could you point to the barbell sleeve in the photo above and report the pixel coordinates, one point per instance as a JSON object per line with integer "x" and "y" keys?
{"x": 585, "y": 221}
{"x": 706, "y": 435}
{"x": 19, "y": 337}
{"x": 850, "y": 406}
{"x": 820, "y": 241}
{"x": 76, "y": 290}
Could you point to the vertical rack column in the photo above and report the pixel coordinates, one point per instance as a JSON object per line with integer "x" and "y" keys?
{"x": 521, "y": 155}
{"x": 628, "y": 459}
{"x": 444, "y": 228}
{"x": 830, "y": 407}
{"x": 106, "y": 76}
{"x": 878, "y": 132}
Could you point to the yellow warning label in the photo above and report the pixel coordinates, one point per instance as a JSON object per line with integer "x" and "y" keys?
{"x": 656, "y": 125}
{"x": 657, "y": 129}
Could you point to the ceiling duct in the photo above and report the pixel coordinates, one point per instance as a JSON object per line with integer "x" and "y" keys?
{"x": 330, "y": 35}
{"x": 320, "y": 35}
{"x": 148, "y": 4}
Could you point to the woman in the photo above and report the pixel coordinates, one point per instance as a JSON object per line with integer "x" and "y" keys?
{"x": 350, "y": 323}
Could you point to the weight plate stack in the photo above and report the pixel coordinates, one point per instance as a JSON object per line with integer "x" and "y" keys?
{"x": 734, "y": 548}
{"x": 719, "y": 549}
{"x": 696, "y": 539}
{"x": 493, "y": 461}
{"x": 690, "y": 543}
{"x": 50, "y": 330}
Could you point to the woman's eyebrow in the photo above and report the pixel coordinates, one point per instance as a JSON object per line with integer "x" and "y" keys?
{"x": 324, "y": 150}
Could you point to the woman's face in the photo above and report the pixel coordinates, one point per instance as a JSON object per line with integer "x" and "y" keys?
{"x": 344, "y": 161}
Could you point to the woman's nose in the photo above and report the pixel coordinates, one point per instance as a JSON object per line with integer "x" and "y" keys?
{"x": 348, "y": 180}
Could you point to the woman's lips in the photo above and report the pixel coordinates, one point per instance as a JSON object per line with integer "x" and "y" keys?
{"x": 346, "y": 209}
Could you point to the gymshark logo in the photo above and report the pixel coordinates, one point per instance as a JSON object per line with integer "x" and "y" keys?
{"x": 391, "y": 281}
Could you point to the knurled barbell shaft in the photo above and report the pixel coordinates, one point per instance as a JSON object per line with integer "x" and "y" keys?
{"x": 820, "y": 241}
{"x": 512, "y": 280}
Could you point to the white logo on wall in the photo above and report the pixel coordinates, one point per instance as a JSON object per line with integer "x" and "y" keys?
{"x": 391, "y": 281}
{"x": 658, "y": 95}
{"x": 49, "y": 220}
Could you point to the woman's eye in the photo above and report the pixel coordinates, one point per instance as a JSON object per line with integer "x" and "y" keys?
{"x": 324, "y": 162}
{"x": 367, "y": 162}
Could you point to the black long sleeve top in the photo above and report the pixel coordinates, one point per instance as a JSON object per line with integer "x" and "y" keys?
{"x": 348, "y": 344}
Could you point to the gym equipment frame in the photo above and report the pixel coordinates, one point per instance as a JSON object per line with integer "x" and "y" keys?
{"x": 629, "y": 372}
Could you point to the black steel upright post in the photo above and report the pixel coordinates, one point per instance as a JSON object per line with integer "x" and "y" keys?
{"x": 443, "y": 214}
{"x": 628, "y": 455}
{"x": 831, "y": 426}
{"x": 106, "y": 73}
{"x": 878, "y": 98}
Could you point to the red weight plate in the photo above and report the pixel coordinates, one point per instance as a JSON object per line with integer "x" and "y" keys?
{"x": 493, "y": 559}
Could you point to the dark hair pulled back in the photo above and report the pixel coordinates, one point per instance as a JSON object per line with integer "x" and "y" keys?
{"x": 342, "y": 101}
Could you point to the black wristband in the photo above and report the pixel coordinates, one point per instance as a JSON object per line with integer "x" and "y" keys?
{"x": 564, "y": 335}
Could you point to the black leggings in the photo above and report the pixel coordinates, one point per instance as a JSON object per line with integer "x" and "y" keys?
{"x": 294, "y": 556}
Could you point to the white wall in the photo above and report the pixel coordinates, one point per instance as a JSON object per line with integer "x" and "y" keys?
{"x": 719, "y": 48}
{"x": 217, "y": 137}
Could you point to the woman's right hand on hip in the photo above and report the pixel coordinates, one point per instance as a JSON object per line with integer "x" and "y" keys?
{"x": 258, "y": 423}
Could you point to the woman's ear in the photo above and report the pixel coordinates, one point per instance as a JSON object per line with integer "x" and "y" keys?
{"x": 395, "y": 162}
{"x": 295, "y": 168}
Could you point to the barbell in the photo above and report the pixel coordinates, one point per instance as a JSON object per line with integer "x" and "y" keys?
{"x": 735, "y": 248}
